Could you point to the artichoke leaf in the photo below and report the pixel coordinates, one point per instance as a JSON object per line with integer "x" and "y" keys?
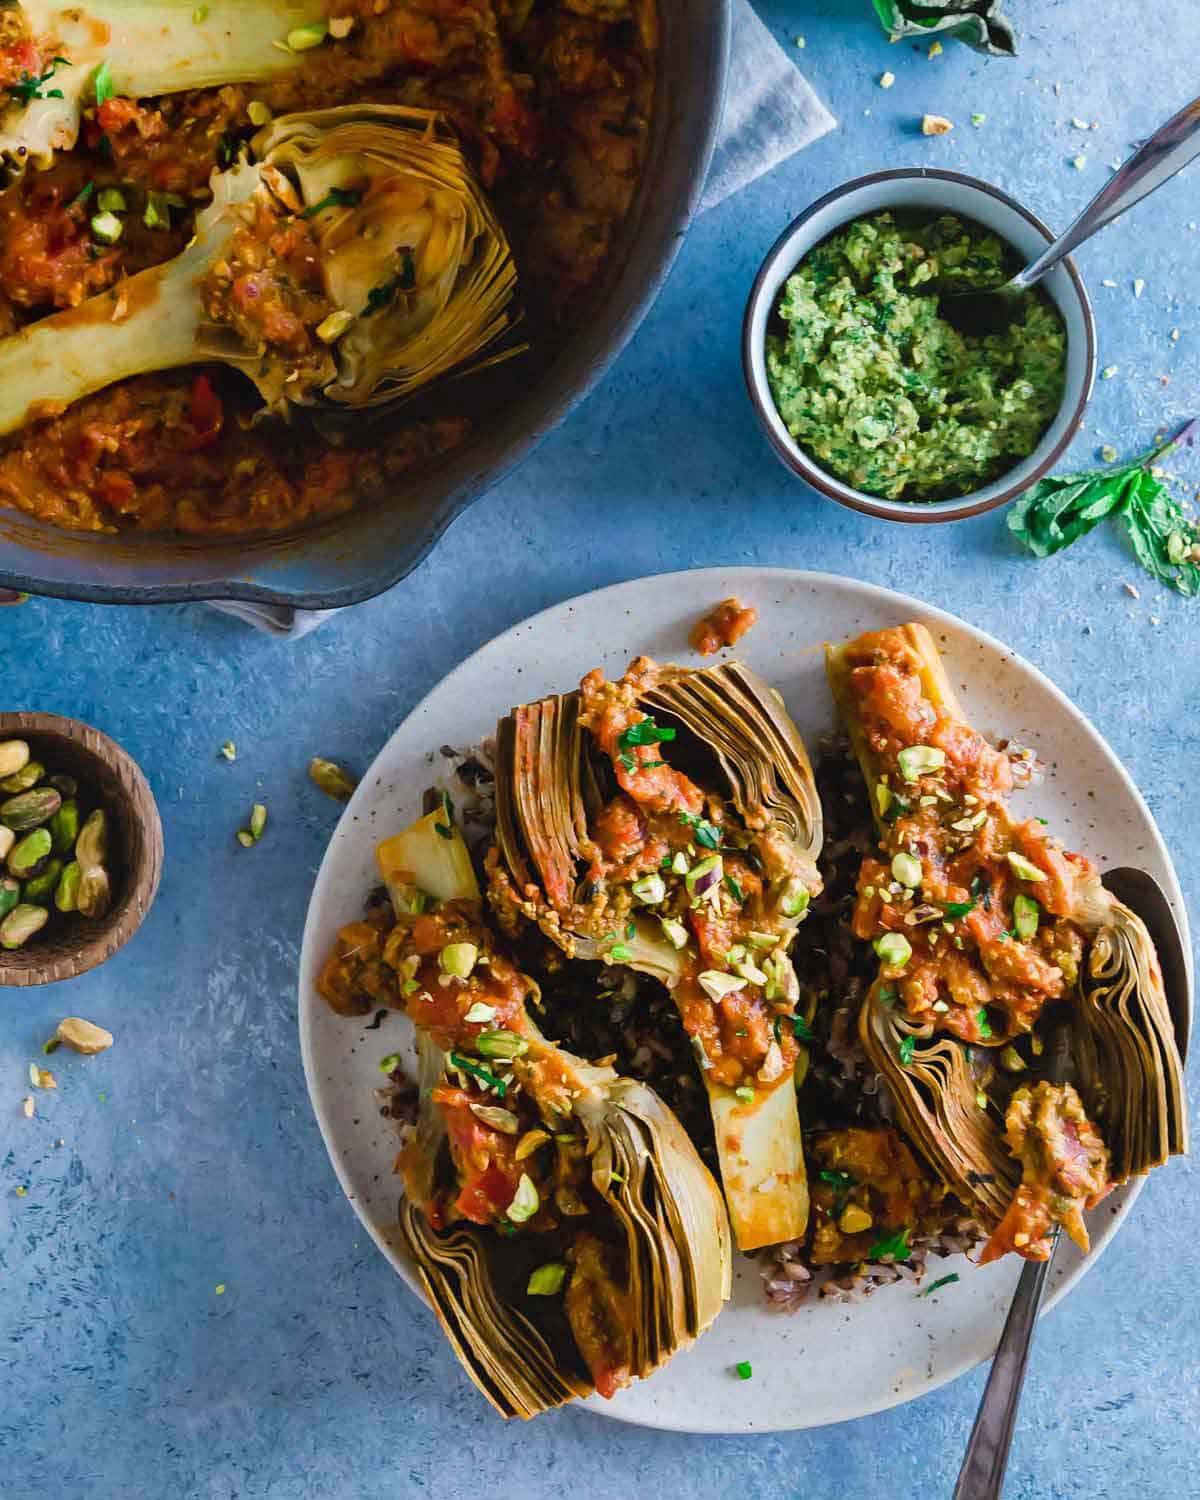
{"x": 937, "y": 1100}
{"x": 761, "y": 1151}
{"x": 510, "y": 1360}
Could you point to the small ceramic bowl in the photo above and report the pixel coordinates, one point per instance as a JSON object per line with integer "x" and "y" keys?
{"x": 922, "y": 190}
{"x": 108, "y": 778}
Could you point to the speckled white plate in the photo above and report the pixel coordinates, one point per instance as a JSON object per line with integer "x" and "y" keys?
{"x": 828, "y": 1362}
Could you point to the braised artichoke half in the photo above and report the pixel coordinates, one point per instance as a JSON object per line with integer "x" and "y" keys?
{"x": 353, "y": 262}
{"x": 566, "y": 1232}
{"x": 981, "y": 922}
{"x": 669, "y": 823}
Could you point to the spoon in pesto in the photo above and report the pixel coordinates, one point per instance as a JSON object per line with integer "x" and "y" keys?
{"x": 1157, "y": 161}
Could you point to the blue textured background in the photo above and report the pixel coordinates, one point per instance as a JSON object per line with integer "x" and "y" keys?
{"x": 189, "y": 1156}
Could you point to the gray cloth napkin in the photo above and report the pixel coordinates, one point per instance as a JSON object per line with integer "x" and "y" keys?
{"x": 771, "y": 112}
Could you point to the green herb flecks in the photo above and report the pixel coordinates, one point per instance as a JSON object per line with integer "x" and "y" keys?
{"x": 380, "y": 296}
{"x": 734, "y": 889}
{"x": 334, "y": 198}
{"x": 895, "y": 1245}
{"x": 477, "y": 1070}
{"x": 445, "y": 829}
{"x": 801, "y": 1030}
{"x": 940, "y": 1283}
{"x": 745, "y": 1369}
{"x": 906, "y": 1049}
{"x": 1059, "y": 510}
{"x": 958, "y": 908}
{"x": 985, "y": 1026}
{"x": 102, "y": 83}
{"x": 627, "y": 762}
{"x": 27, "y": 88}
{"x": 708, "y": 835}
{"x": 645, "y": 732}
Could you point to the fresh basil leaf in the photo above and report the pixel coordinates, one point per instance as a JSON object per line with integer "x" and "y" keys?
{"x": 982, "y": 24}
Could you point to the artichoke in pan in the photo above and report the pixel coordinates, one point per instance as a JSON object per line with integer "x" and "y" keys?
{"x": 568, "y": 1235}
{"x": 72, "y": 56}
{"x": 353, "y": 262}
{"x": 981, "y": 924}
{"x": 670, "y": 823}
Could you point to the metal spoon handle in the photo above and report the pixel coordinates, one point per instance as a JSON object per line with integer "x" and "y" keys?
{"x": 1165, "y": 153}
{"x": 982, "y": 1474}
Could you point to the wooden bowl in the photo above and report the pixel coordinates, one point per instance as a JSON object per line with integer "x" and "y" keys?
{"x": 108, "y": 778}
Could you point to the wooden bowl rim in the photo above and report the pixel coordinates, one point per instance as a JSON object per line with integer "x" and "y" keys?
{"x": 21, "y": 966}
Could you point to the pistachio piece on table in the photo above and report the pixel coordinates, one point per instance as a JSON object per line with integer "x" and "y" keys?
{"x": 20, "y": 781}
{"x": 91, "y": 847}
{"x": 27, "y": 854}
{"x": 30, "y": 809}
{"x": 14, "y": 757}
{"x": 10, "y": 894}
{"x": 40, "y": 890}
{"x": 21, "y": 924}
{"x": 83, "y": 1036}
{"x": 95, "y": 894}
{"x": 332, "y": 779}
{"x": 65, "y": 785}
{"x": 64, "y": 826}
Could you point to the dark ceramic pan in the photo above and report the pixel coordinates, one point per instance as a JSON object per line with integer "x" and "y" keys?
{"x": 360, "y": 554}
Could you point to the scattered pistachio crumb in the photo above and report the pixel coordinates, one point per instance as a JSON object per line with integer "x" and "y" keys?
{"x": 27, "y": 1106}
{"x": 936, "y": 49}
{"x": 219, "y": 1289}
{"x": 1108, "y": 372}
{"x": 1139, "y": 286}
{"x": 41, "y": 1078}
{"x": 936, "y": 125}
{"x": 801, "y": 42}
{"x": 229, "y": 750}
{"x": 1133, "y": 591}
{"x": 1174, "y": 335}
{"x": 978, "y": 120}
{"x": 1079, "y": 163}
{"x": 20, "y": 1191}
{"x": 1108, "y": 453}
{"x": 1079, "y": 124}
{"x": 1108, "y": 281}
{"x": 886, "y": 80}
{"x": 340, "y": 27}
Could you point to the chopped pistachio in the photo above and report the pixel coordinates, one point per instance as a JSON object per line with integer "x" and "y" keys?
{"x": 886, "y": 80}
{"x": 547, "y": 1280}
{"x": 229, "y": 750}
{"x": 526, "y": 1201}
{"x": 1024, "y": 868}
{"x": 936, "y": 125}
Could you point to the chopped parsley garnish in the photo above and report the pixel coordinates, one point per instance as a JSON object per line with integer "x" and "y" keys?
{"x": 477, "y": 1070}
{"x": 103, "y": 84}
{"x": 1045, "y": 822}
{"x": 82, "y": 196}
{"x": 734, "y": 889}
{"x": 446, "y": 829}
{"x": 906, "y": 1049}
{"x": 627, "y": 761}
{"x": 334, "y": 198}
{"x": 744, "y": 1369}
{"x": 644, "y": 732}
{"x": 940, "y": 1283}
{"x": 631, "y": 931}
{"x": 652, "y": 765}
{"x": 27, "y": 88}
{"x": 985, "y": 1026}
{"x": 227, "y": 149}
{"x": 380, "y": 296}
{"x": 895, "y": 1245}
{"x": 620, "y": 952}
{"x": 506, "y": 1228}
{"x": 801, "y": 1030}
{"x": 837, "y": 1179}
{"x": 887, "y": 996}
{"x": 958, "y": 908}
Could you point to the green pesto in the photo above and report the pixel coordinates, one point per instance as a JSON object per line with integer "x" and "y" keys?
{"x": 885, "y": 394}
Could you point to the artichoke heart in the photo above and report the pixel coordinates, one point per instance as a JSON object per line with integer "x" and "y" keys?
{"x": 993, "y": 924}
{"x": 353, "y": 262}
{"x": 669, "y": 822}
{"x": 525, "y": 1156}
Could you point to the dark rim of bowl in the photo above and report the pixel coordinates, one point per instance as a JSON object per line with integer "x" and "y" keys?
{"x": 799, "y": 462}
